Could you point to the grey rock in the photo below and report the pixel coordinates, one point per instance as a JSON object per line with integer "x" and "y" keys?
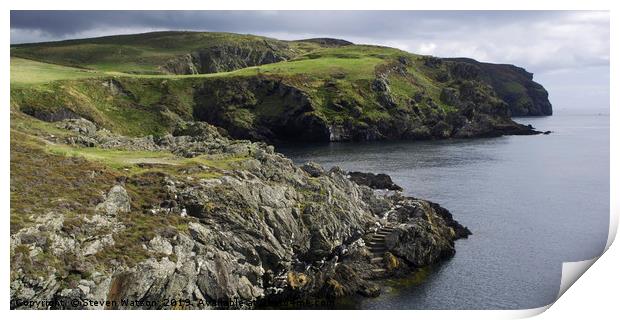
{"x": 117, "y": 201}
{"x": 263, "y": 230}
{"x": 160, "y": 245}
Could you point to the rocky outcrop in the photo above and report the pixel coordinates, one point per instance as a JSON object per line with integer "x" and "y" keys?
{"x": 229, "y": 57}
{"x": 117, "y": 201}
{"x": 260, "y": 109}
{"x": 374, "y": 181}
{"x": 261, "y": 232}
{"x": 270, "y": 110}
{"x": 413, "y": 242}
{"x": 50, "y": 115}
{"x": 514, "y": 85}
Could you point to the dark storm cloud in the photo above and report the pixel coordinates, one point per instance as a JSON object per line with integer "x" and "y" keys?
{"x": 391, "y": 23}
{"x": 545, "y": 42}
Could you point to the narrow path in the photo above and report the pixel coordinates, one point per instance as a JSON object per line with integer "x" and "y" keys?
{"x": 378, "y": 249}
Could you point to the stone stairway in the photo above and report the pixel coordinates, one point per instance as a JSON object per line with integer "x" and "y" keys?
{"x": 378, "y": 249}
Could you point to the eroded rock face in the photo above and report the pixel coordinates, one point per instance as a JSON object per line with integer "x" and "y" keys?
{"x": 260, "y": 109}
{"x": 424, "y": 233}
{"x": 226, "y": 58}
{"x": 262, "y": 231}
{"x": 514, "y": 85}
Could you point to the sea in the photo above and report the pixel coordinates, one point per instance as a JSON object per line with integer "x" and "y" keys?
{"x": 532, "y": 203}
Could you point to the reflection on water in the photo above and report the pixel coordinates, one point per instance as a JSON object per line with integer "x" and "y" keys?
{"x": 532, "y": 202}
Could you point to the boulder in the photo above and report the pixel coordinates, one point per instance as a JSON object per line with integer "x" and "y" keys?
{"x": 117, "y": 201}
{"x": 374, "y": 181}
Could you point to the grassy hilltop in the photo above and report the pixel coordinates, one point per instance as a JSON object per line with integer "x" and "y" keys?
{"x": 263, "y": 89}
{"x": 148, "y": 53}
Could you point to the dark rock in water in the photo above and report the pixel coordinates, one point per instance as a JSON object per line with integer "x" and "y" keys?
{"x": 547, "y": 132}
{"x": 460, "y": 231}
{"x": 371, "y": 290}
{"x": 375, "y": 181}
{"x": 411, "y": 218}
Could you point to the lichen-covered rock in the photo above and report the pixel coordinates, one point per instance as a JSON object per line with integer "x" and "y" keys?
{"x": 260, "y": 231}
{"x": 424, "y": 232}
{"x": 117, "y": 201}
{"x": 226, "y": 58}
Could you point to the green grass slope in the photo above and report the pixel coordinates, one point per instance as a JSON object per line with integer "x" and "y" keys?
{"x": 28, "y": 72}
{"x": 323, "y": 89}
{"x": 148, "y": 53}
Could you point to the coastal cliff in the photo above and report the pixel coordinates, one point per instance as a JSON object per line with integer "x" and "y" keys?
{"x": 141, "y": 169}
{"x": 199, "y": 218}
{"x": 270, "y": 90}
{"x": 515, "y": 86}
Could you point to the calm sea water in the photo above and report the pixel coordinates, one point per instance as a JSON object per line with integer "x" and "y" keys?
{"x": 532, "y": 202}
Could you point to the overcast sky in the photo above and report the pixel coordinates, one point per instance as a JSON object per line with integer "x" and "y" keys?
{"x": 568, "y": 51}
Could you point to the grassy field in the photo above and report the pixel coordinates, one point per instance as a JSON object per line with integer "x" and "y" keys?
{"x": 27, "y": 72}
{"x": 145, "y": 53}
{"x": 355, "y": 61}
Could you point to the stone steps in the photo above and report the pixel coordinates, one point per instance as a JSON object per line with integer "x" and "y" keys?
{"x": 377, "y": 247}
{"x": 375, "y": 242}
{"x": 378, "y": 270}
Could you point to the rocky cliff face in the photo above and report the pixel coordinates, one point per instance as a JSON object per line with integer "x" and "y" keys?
{"x": 274, "y": 110}
{"x": 514, "y": 85}
{"x": 234, "y": 221}
{"x": 224, "y": 58}
{"x": 260, "y": 109}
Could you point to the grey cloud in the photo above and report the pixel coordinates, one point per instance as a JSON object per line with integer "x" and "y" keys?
{"x": 523, "y": 37}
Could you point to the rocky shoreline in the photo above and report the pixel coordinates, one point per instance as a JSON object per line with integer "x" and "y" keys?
{"x": 262, "y": 231}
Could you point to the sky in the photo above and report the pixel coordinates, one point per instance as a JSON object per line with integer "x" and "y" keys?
{"x": 568, "y": 51}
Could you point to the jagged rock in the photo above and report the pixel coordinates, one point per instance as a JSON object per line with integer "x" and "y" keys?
{"x": 161, "y": 245}
{"x": 415, "y": 240}
{"x": 221, "y": 58}
{"x": 375, "y": 181}
{"x": 381, "y": 84}
{"x": 97, "y": 245}
{"x": 117, "y": 201}
{"x": 81, "y": 126}
{"x": 514, "y": 85}
{"x": 432, "y": 62}
{"x": 57, "y": 114}
{"x": 116, "y": 88}
{"x": 263, "y": 232}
